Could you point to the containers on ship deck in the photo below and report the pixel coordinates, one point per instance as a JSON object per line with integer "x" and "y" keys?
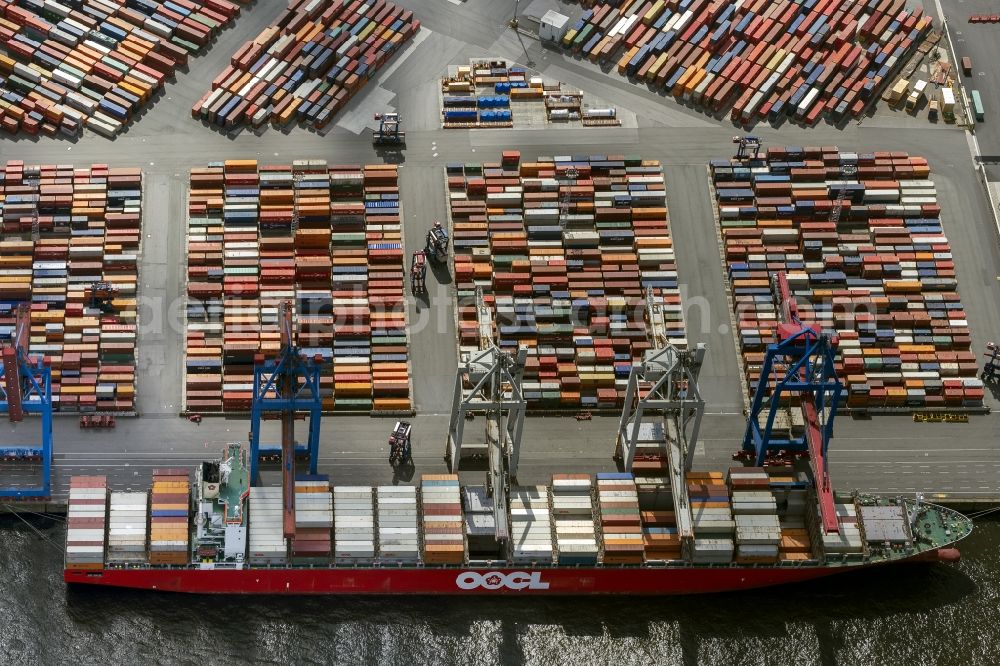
{"x": 267, "y": 543}
{"x": 341, "y": 266}
{"x": 398, "y": 531}
{"x": 565, "y": 250}
{"x": 92, "y": 63}
{"x": 441, "y": 514}
{"x": 621, "y": 524}
{"x": 354, "y": 524}
{"x": 480, "y": 524}
{"x": 882, "y": 278}
{"x": 86, "y": 519}
{"x": 170, "y": 513}
{"x": 313, "y": 520}
{"x": 530, "y": 525}
{"x": 573, "y": 519}
{"x": 760, "y": 59}
{"x": 127, "y": 528}
{"x": 758, "y": 528}
{"x": 87, "y": 224}
{"x": 306, "y": 65}
{"x": 712, "y": 516}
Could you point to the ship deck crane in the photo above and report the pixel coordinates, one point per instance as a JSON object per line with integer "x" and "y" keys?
{"x": 664, "y": 385}
{"x": 284, "y": 386}
{"x": 26, "y": 388}
{"x": 495, "y": 376}
{"x": 807, "y": 357}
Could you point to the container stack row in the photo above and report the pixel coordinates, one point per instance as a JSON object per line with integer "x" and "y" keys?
{"x": 762, "y": 59}
{"x": 64, "y": 231}
{"x": 660, "y": 538}
{"x": 573, "y": 518}
{"x": 67, "y": 65}
{"x": 398, "y": 537}
{"x": 354, "y": 523}
{"x": 531, "y": 525}
{"x": 441, "y": 510}
{"x": 712, "y": 517}
{"x": 127, "y": 528}
{"x": 795, "y": 542}
{"x": 847, "y": 541}
{"x": 86, "y": 520}
{"x": 880, "y": 275}
{"x": 307, "y": 64}
{"x": 565, "y": 250}
{"x": 328, "y": 240}
{"x": 480, "y": 524}
{"x": 621, "y": 522}
{"x": 170, "y": 505}
{"x": 313, "y": 519}
{"x": 758, "y": 528}
{"x": 266, "y": 527}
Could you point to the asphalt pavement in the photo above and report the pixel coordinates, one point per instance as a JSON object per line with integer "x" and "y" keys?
{"x": 885, "y": 454}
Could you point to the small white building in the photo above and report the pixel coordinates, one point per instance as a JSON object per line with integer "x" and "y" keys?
{"x": 553, "y": 26}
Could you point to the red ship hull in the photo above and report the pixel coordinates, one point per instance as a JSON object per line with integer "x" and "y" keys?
{"x": 555, "y": 581}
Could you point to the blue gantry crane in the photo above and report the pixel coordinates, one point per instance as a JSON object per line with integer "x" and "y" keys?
{"x": 283, "y": 387}
{"x": 26, "y": 388}
{"x": 806, "y": 356}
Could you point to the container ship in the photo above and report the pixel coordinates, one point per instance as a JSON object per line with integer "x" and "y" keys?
{"x": 615, "y": 533}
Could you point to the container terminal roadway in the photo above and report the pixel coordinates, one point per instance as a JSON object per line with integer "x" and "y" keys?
{"x": 884, "y": 454}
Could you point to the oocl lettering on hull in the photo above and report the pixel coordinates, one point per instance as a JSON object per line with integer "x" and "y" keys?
{"x": 497, "y": 580}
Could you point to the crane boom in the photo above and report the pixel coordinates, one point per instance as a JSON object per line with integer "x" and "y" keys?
{"x": 810, "y": 373}
{"x": 13, "y": 355}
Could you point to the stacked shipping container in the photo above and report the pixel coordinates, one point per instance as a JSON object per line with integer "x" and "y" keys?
{"x": 621, "y": 524}
{"x": 86, "y": 519}
{"x": 398, "y": 536}
{"x": 329, "y": 239}
{"x": 266, "y": 527}
{"x": 354, "y": 523}
{"x": 712, "y": 517}
{"x": 307, "y": 64}
{"x": 88, "y": 227}
{"x": 170, "y": 514}
{"x": 441, "y": 508}
{"x": 761, "y": 58}
{"x": 64, "y": 65}
{"x": 127, "y": 527}
{"x": 313, "y": 520}
{"x": 530, "y": 525}
{"x": 573, "y": 517}
{"x": 758, "y": 529}
{"x": 881, "y": 277}
{"x": 566, "y": 250}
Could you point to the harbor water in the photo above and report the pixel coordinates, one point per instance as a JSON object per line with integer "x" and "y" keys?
{"x": 910, "y": 614}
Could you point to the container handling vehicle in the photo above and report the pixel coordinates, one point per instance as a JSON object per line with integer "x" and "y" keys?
{"x": 655, "y": 526}
{"x": 388, "y": 132}
{"x": 400, "y": 450}
{"x": 436, "y": 247}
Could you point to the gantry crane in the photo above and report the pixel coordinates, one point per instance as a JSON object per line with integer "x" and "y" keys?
{"x": 388, "y": 132}
{"x": 746, "y": 144}
{"x": 26, "y": 388}
{"x": 285, "y": 386}
{"x": 495, "y": 376}
{"x": 847, "y": 170}
{"x": 663, "y": 411}
{"x": 806, "y": 356}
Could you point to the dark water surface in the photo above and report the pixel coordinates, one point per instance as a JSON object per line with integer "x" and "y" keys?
{"x": 913, "y": 614}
